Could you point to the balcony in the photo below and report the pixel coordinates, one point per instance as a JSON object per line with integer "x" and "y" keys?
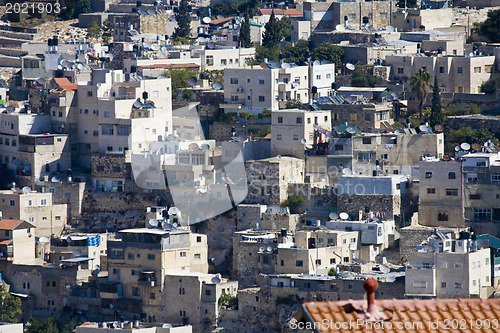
{"x": 147, "y": 278}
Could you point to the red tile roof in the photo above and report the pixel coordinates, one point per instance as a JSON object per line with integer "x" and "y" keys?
{"x": 189, "y": 65}
{"x": 65, "y": 84}
{"x": 406, "y": 315}
{"x": 268, "y": 136}
{"x": 222, "y": 20}
{"x": 293, "y": 12}
{"x": 7, "y": 224}
{"x": 6, "y": 242}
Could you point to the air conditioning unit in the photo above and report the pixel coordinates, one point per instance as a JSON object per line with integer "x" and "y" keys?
{"x": 240, "y": 89}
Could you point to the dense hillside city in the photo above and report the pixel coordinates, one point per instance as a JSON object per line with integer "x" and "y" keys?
{"x": 244, "y": 166}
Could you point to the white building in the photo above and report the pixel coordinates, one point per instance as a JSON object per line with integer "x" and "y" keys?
{"x": 448, "y": 268}
{"x": 290, "y": 126}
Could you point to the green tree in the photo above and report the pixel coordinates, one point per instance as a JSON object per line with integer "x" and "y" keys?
{"x": 245, "y": 39}
{"x": 180, "y": 76}
{"x": 183, "y": 21}
{"x": 94, "y": 31}
{"x": 261, "y": 52}
{"x": 293, "y": 104}
{"x": 294, "y": 202}
{"x": 462, "y": 109}
{"x": 329, "y": 52}
{"x": 420, "y": 83}
{"x": 361, "y": 79}
{"x": 49, "y": 325}
{"x": 227, "y": 300}
{"x": 297, "y": 50}
{"x": 491, "y": 27}
{"x": 107, "y": 32}
{"x": 82, "y": 7}
{"x": 10, "y": 306}
{"x": 187, "y": 94}
{"x": 272, "y": 33}
{"x": 265, "y": 131}
{"x": 437, "y": 117}
{"x": 284, "y": 28}
{"x": 266, "y": 113}
{"x": 70, "y": 326}
{"x": 492, "y": 85}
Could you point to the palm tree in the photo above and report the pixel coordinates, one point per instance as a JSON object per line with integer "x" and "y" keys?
{"x": 420, "y": 83}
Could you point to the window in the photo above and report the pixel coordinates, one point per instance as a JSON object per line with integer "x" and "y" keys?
{"x": 295, "y": 137}
{"x": 58, "y": 218}
{"x": 495, "y": 178}
{"x": 459, "y": 70}
{"x": 452, "y": 175}
{"x": 442, "y": 216}
{"x": 122, "y": 130}
{"x": 332, "y": 261}
{"x": 182, "y": 254}
{"x": 353, "y": 240}
{"x": 152, "y": 296}
{"x": 130, "y": 256}
{"x": 262, "y": 98}
{"x": 223, "y": 61}
{"x": 135, "y": 291}
{"x": 29, "y": 203}
{"x": 367, "y": 141}
{"x": 261, "y": 82}
{"x": 318, "y": 261}
{"x": 12, "y": 203}
{"x": 318, "y": 77}
{"x": 234, "y": 80}
{"x": 339, "y": 147}
{"x": 328, "y": 76}
{"x": 107, "y": 130}
{"x": 441, "y": 69}
{"x": 482, "y": 214}
{"x": 151, "y": 256}
{"x": 234, "y": 98}
{"x": 299, "y": 120}
{"x": 401, "y": 70}
{"x": 428, "y": 175}
{"x": 280, "y": 121}
{"x": 458, "y": 266}
{"x": 278, "y": 137}
{"x": 209, "y": 60}
{"x": 198, "y": 239}
{"x": 452, "y": 192}
{"x": 299, "y": 263}
{"x": 197, "y": 256}
{"x": 351, "y": 16}
{"x": 89, "y": 93}
{"x": 419, "y": 284}
{"x": 182, "y": 291}
{"x": 346, "y": 259}
{"x": 458, "y": 285}
{"x": 477, "y": 70}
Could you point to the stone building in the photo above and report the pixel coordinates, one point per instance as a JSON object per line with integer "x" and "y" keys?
{"x": 268, "y": 179}
{"x": 17, "y": 242}
{"x": 410, "y": 19}
{"x": 193, "y": 299}
{"x": 35, "y": 208}
{"x": 448, "y": 268}
{"x": 111, "y": 173}
{"x": 456, "y": 74}
{"x": 137, "y": 263}
{"x": 293, "y": 130}
{"x": 272, "y": 218}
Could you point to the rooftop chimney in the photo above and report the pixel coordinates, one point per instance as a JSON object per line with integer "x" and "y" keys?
{"x": 370, "y": 287}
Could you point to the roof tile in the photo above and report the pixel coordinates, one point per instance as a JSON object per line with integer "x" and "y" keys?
{"x": 8, "y": 224}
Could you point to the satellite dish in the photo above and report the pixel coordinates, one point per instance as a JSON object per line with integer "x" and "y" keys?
{"x": 465, "y": 146}
{"x": 59, "y": 67}
{"x": 77, "y": 252}
{"x": 153, "y": 222}
{"x": 26, "y": 189}
{"x": 43, "y": 239}
{"x": 457, "y": 148}
{"x": 346, "y": 171}
{"x": 161, "y": 54}
{"x": 264, "y": 65}
{"x": 269, "y": 248}
{"x": 192, "y": 81}
{"x": 10, "y": 108}
{"x": 206, "y": 20}
{"x": 194, "y": 146}
{"x": 79, "y": 66}
{"x": 198, "y": 220}
{"x": 210, "y": 46}
{"x": 40, "y": 81}
{"x": 316, "y": 63}
{"x": 324, "y": 62}
{"x": 333, "y": 216}
{"x": 489, "y": 144}
{"x": 166, "y": 325}
{"x": 278, "y": 157}
{"x": 217, "y": 86}
{"x": 261, "y": 249}
{"x": 476, "y": 147}
{"x": 303, "y": 141}
{"x": 175, "y": 225}
{"x": 205, "y": 146}
{"x": 423, "y": 128}
{"x": 68, "y": 239}
{"x": 390, "y": 28}
{"x": 96, "y": 272}
{"x": 173, "y": 211}
{"x": 55, "y": 180}
{"x": 269, "y": 211}
{"x": 344, "y": 216}
{"x": 350, "y": 66}
{"x": 340, "y": 27}
{"x": 396, "y": 132}
{"x": 155, "y": 47}
{"x": 285, "y": 65}
{"x": 351, "y": 130}
{"x": 216, "y": 279}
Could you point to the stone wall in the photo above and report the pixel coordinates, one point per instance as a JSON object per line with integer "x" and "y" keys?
{"x": 114, "y": 202}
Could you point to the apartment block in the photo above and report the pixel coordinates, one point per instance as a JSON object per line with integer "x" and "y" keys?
{"x": 35, "y": 208}
{"x": 17, "y": 242}
{"x": 448, "y": 268}
{"x": 138, "y": 261}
